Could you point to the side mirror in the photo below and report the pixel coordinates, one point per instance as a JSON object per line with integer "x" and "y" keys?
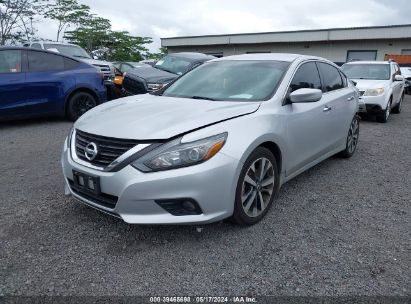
{"x": 305, "y": 95}
{"x": 398, "y": 78}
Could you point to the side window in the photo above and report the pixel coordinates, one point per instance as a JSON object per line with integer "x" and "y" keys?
{"x": 36, "y": 46}
{"x": 344, "y": 79}
{"x": 306, "y": 77}
{"x": 330, "y": 77}
{"x": 42, "y": 62}
{"x": 70, "y": 64}
{"x": 397, "y": 69}
{"x": 10, "y": 61}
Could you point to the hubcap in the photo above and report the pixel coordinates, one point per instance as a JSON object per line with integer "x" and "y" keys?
{"x": 353, "y": 134}
{"x": 258, "y": 187}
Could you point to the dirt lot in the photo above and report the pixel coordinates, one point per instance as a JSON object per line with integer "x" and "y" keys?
{"x": 342, "y": 228}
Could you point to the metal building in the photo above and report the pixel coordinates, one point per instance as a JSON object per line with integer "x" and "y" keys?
{"x": 336, "y": 44}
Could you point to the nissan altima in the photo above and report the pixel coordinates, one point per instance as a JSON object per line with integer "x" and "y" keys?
{"x": 217, "y": 143}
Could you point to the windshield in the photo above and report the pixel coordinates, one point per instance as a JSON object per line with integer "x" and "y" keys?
{"x": 68, "y": 50}
{"x": 367, "y": 71}
{"x": 230, "y": 80}
{"x": 173, "y": 64}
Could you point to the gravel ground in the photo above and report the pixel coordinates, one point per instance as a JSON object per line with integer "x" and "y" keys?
{"x": 342, "y": 228}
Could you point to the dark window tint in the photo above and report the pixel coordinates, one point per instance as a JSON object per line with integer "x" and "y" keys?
{"x": 41, "y": 62}
{"x": 330, "y": 77}
{"x": 70, "y": 64}
{"x": 10, "y": 61}
{"x": 306, "y": 77}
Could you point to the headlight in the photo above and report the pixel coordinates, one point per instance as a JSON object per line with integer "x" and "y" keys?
{"x": 69, "y": 135}
{"x": 155, "y": 86}
{"x": 176, "y": 154}
{"x": 374, "y": 92}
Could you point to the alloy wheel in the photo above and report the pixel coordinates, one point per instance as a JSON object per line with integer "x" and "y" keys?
{"x": 353, "y": 134}
{"x": 387, "y": 111}
{"x": 82, "y": 104}
{"x": 257, "y": 187}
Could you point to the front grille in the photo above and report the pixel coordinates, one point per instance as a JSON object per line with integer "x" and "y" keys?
{"x": 108, "y": 148}
{"x": 103, "y": 199}
{"x": 134, "y": 86}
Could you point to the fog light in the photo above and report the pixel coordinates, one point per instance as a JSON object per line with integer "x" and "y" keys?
{"x": 178, "y": 207}
{"x": 91, "y": 183}
{"x": 80, "y": 180}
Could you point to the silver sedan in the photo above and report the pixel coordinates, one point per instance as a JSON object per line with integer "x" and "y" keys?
{"x": 216, "y": 143}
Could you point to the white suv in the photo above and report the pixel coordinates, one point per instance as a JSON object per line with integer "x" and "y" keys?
{"x": 381, "y": 86}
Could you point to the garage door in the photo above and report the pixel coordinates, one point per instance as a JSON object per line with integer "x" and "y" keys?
{"x": 361, "y": 55}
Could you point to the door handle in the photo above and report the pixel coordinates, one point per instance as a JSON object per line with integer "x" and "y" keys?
{"x": 327, "y": 108}
{"x": 350, "y": 98}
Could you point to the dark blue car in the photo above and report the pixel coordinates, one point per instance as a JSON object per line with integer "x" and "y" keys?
{"x": 36, "y": 82}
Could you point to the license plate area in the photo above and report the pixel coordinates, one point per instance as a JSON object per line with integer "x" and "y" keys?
{"x": 86, "y": 182}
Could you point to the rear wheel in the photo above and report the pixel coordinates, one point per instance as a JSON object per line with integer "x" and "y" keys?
{"x": 383, "y": 117}
{"x": 80, "y": 103}
{"x": 257, "y": 186}
{"x": 352, "y": 139}
{"x": 397, "y": 108}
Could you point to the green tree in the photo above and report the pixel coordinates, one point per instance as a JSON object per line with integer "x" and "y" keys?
{"x": 17, "y": 18}
{"x": 95, "y": 35}
{"x": 67, "y": 13}
{"x": 157, "y": 56}
{"x": 92, "y": 34}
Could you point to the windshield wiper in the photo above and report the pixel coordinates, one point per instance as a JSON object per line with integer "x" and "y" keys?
{"x": 202, "y": 97}
{"x": 80, "y": 56}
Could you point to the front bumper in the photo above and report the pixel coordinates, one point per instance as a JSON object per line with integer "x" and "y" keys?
{"x": 211, "y": 184}
{"x": 372, "y": 104}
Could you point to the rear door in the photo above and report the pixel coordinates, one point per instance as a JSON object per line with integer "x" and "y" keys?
{"x": 307, "y": 123}
{"x": 340, "y": 103}
{"x": 12, "y": 82}
{"x": 46, "y": 82}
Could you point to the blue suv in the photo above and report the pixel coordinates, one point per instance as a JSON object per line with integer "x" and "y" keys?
{"x": 36, "y": 82}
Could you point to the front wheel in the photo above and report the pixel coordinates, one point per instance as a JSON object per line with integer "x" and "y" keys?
{"x": 80, "y": 103}
{"x": 352, "y": 139}
{"x": 257, "y": 186}
{"x": 397, "y": 108}
{"x": 383, "y": 117}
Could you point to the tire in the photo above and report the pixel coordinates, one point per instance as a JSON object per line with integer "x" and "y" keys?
{"x": 352, "y": 139}
{"x": 78, "y": 104}
{"x": 253, "y": 199}
{"x": 397, "y": 108}
{"x": 383, "y": 116}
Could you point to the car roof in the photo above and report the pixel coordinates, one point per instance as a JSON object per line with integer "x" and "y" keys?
{"x": 271, "y": 56}
{"x": 52, "y": 42}
{"x": 192, "y": 55}
{"x": 369, "y": 62}
{"x": 22, "y": 48}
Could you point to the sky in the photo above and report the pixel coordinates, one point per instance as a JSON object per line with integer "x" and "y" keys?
{"x": 171, "y": 18}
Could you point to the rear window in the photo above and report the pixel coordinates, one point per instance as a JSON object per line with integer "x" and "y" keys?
{"x": 330, "y": 77}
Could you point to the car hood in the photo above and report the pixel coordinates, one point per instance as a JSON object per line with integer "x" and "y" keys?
{"x": 150, "y": 117}
{"x": 151, "y": 74}
{"x": 364, "y": 84}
